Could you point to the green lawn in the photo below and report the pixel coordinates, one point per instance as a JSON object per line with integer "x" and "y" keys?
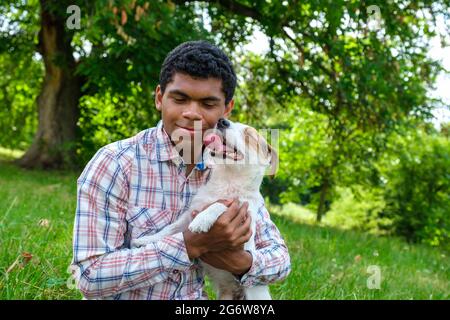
{"x": 326, "y": 263}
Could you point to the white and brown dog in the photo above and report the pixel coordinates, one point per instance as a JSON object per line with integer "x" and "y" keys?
{"x": 239, "y": 158}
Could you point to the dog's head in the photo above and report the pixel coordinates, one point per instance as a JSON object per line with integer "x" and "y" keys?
{"x": 240, "y": 146}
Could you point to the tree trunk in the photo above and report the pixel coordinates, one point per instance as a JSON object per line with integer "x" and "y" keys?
{"x": 323, "y": 197}
{"x": 54, "y": 143}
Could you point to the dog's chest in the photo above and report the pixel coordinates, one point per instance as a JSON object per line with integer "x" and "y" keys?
{"x": 233, "y": 191}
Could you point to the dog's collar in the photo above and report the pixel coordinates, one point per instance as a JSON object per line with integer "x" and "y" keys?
{"x": 200, "y": 166}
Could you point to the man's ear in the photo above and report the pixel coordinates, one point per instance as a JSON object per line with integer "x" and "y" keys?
{"x": 228, "y": 108}
{"x": 158, "y": 98}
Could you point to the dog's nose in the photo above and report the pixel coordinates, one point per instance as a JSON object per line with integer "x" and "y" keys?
{"x": 223, "y": 123}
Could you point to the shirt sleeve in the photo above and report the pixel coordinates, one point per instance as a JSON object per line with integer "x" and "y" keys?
{"x": 271, "y": 261}
{"x": 102, "y": 265}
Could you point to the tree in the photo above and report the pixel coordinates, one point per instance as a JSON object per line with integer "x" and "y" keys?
{"x": 120, "y": 44}
{"x": 366, "y": 80}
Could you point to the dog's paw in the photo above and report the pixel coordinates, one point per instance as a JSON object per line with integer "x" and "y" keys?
{"x": 205, "y": 219}
{"x": 202, "y": 224}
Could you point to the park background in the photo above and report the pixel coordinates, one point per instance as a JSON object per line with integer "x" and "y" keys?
{"x": 358, "y": 89}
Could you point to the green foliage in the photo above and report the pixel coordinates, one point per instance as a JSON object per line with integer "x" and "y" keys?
{"x": 19, "y": 86}
{"x": 109, "y": 117}
{"x": 119, "y": 50}
{"x": 417, "y": 187}
{"x": 129, "y": 40}
{"x": 358, "y": 208}
{"x": 294, "y": 212}
{"x": 21, "y": 73}
{"x": 365, "y": 82}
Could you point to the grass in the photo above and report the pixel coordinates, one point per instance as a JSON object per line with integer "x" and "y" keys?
{"x": 36, "y": 217}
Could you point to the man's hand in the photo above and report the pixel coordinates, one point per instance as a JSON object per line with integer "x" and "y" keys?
{"x": 238, "y": 262}
{"x": 230, "y": 231}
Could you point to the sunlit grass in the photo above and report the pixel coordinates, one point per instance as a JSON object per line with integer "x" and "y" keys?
{"x": 10, "y": 154}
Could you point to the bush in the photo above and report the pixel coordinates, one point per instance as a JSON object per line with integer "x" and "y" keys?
{"x": 109, "y": 117}
{"x": 20, "y": 82}
{"x": 358, "y": 208}
{"x": 417, "y": 188}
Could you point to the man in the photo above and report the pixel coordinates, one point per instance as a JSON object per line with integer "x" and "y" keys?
{"x": 138, "y": 186}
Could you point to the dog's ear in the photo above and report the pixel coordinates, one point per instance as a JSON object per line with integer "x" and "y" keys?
{"x": 251, "y": 138}
{"x": 260, "y": 144}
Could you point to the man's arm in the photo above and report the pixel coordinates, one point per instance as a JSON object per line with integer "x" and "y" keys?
{"x": 238, "y": 261}
{"x": 103, "y": 266}
{"x": 271, "y": 261}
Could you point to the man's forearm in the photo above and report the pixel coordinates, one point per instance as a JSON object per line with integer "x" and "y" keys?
{"x": 237, "y": 262}
{"x": 245, "y": 265}
{"x": 193, "y": 243}
{"x": 130, "y": 269}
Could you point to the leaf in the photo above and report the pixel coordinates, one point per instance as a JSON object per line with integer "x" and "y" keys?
{"x": 44, "y": 223}
{"x": 124, "y": 18}
{"x": 20, "y": 262}
{"x": 54, "y": 282}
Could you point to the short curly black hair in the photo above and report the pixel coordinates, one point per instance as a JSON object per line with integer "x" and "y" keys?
{"x": 199, "y": 59}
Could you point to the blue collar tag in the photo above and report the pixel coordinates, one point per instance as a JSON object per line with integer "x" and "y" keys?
{"x": 200, "y": 166}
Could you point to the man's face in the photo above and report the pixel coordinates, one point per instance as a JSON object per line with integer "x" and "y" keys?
{"x": 188, "y": 100}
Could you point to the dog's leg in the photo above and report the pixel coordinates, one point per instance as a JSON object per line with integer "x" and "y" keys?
{"x": 257, "y": 293}
{"x": 139, "y": 242}
{"x": 205, "y": 219}
{"x": 252, "y": 211}
{"x": 225, "y": 295}
{"x": 177, "y": 226}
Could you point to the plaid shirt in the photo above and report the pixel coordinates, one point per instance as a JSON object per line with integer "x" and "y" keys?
{"x": 136, "y": 187}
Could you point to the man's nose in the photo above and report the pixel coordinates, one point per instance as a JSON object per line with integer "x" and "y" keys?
{"x": 192, "y": 111}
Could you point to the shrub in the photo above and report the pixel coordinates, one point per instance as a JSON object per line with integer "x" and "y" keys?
{"x": 417, "y": 188}
{"x": 358, "y": 208}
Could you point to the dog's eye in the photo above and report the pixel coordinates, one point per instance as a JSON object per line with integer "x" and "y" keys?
{"x": 223, "y": 123}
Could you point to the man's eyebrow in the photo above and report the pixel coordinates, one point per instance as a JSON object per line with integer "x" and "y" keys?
{"x": 211, "y": 98}
{"x": 185, "y": 95}
{"x": 179, "y": 92}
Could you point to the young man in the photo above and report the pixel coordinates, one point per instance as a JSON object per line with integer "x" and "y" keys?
{"x": 139, "y": 185}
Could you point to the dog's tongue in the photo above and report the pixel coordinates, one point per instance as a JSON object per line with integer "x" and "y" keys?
{"x": 214, "y": 142}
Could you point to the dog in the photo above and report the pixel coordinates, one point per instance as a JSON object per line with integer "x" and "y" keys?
{"x": 239, "y": 158}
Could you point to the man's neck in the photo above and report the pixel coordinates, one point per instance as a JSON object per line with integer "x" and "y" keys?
{"x": 189, "y": 169}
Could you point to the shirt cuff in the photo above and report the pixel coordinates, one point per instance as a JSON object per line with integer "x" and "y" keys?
{"x": 173, "y": 254}
{"x": 248, "y": 279}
